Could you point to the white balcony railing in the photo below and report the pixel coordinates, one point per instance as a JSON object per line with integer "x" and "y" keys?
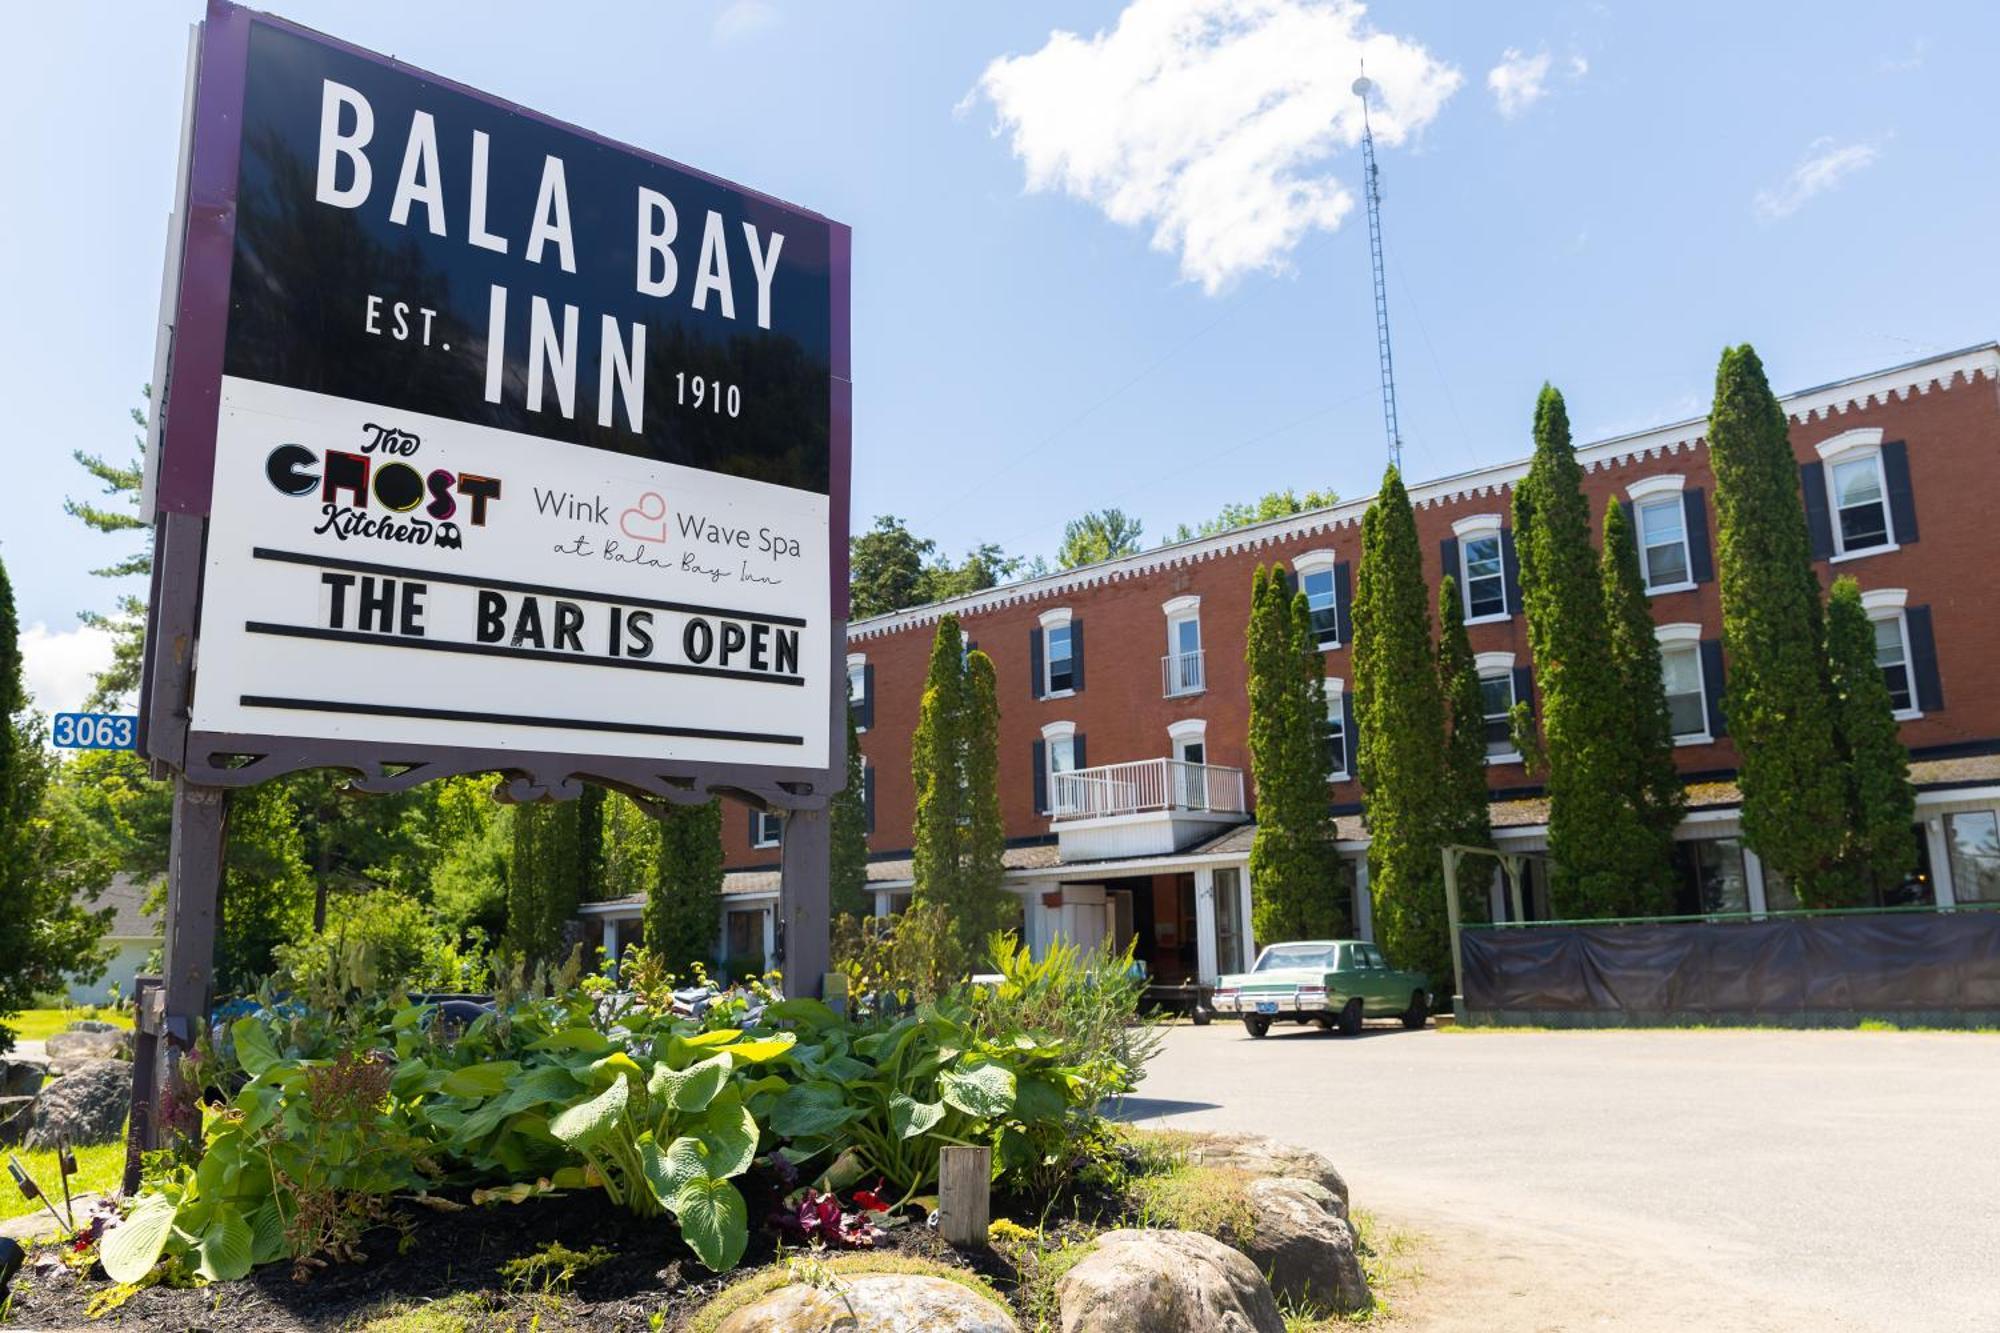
{"x": 1181, "y": 673}
{"x": 1147, "y": 786}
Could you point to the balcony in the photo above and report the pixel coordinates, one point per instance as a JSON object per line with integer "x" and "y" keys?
{"x": 1182, "y": 673}
{"x": 1144, "y": 808}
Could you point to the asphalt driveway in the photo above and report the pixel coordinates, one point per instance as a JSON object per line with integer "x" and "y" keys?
{"x": 1729, "y": 1180}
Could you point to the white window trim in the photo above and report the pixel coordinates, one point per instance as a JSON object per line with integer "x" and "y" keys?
{"x": 1336, "y": 697}
{"x": 1851, "y": 446}
{"x": 1888, "y": 604}
{"x": 1487, "y": 664}
{"x": 1687, "y": 632}
{"x": 1321, "y": 562}
{"x": 759, "y": 841}
{"x": 1480, "y": 525}
{"x": 1051, "y": 733}
{"x": 857, "y": 660}
{"x": 1646, "y": 488}
{"x": 1176, "y": 607}
{"x": 1050, "y": 620}
{"x": 1061, "y": 615}
{"x": 1188, "y": 729}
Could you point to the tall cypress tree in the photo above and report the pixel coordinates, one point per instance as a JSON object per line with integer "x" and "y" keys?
{"x": 848, "y": 821}
{"x": 957, "y": 836}
{"x": 1644, "y": 723}
{"x": 1400, "y": 715}
{"x": 683, "y": 916}
{"x": 1777, "y": 695}
{"x": 1465, "y": 820}
{"x": 1880, "y": 849}
{"x": 1600, "y": 852}
{"x": 557, "y": 851}
{"x": 1292, "y": 887}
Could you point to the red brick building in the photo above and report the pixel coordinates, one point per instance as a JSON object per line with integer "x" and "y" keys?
{"x": 1124, "y": 717}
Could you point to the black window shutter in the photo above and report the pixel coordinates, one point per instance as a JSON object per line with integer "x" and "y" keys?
{"x": 1711, "y": 684}
{"x": 1701, "y": 565}
{"x": 1035, "y": 671}
{"x": 1077, "y": 751}
{"x": 1819, "y": 523}
{"x": 864, "y": 712}
{"x": 1350, "y": 742}
{"x": 1923, "y": 658}
{"x": 1076, "y": 654}
{"x": 1448, "y": 558}
{"x": 1524, "y": 687}
{"x": 1041, "y": 776}
{"x": 868, "y": 799}
{"x": 1343, "y": 595}
{"x": 1511, "y": 569}
{"x": 754, "y": 830}
{"x": 1902, "y": 505}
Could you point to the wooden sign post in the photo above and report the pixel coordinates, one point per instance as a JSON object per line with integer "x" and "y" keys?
{"x": 965, "y": 1195}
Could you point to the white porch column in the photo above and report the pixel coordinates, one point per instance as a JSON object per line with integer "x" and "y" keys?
{"x": 1204, "y": 925}
{"x": 611, "y": 945}
{"x": 1753, "y": 881}
{"x": 770, "y": 936}
{"x": 1940, "y": 850}
{"x": 881, "y": 902}
{"x": 1364, "y": 902}
{"x": 1249, "y": 931}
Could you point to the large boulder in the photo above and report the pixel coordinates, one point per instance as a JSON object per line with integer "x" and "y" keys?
{"x": 1166, "y": 1282}
{"x": 21, "y": 1075}
{"x": 17, "y": 1114}
{"x": 1301, "y": 1241}
{"x": 1261, "y": 1156}
{"x": 876, "y": 1302}
{"x": 94, "y": 1025}
{"x": 87, "y": 1105}
{"x": 67, "y": 1050}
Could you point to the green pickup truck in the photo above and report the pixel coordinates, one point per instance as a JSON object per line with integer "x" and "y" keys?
{"x": 1334, "y": 983}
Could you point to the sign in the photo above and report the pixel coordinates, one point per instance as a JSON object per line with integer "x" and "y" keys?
{"x": 94, "y": 731}
{"x": 508, "y": 439}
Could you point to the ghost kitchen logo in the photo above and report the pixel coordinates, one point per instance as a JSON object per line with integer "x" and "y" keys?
{"x": 346, "y": 483}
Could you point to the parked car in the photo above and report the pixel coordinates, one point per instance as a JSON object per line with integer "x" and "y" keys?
{"x": 1334, "y": 983}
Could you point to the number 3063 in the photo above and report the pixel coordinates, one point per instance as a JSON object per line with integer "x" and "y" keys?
{"x": 93, "y": 731}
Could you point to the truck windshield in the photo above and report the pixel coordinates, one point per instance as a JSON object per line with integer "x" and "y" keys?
{"x": 1296, "y": 955}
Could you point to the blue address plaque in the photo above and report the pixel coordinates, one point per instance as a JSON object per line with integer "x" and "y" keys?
{"x": 94, "y": 731}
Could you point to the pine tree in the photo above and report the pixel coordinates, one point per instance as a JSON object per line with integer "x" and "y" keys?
{"x": 1652, "y": 781}
{"x": 1292, "y": 885}
{"x": 1399, "y": 712}
{"x": 557, "y": 853}
{"x": 1777, "y": 696}
{"x": 957, "y": 838}
{"x": 50, "y": 864}
{"x": 848, "y": 823}
{"x": 1464, "y": 820}
{"x": 1601, "y": 854}
{"x": 683, "y": 917}
{"x": 1879, "y": 850}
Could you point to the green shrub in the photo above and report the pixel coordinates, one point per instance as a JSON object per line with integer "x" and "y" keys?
{"x": 381, "y": 940}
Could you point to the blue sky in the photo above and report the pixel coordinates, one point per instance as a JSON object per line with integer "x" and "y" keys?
{"x": 1128, "y": 266}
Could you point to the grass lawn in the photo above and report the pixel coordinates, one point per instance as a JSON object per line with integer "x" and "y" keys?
{"x": 99, "y": 1169}
{"x": 41, "y": 1024}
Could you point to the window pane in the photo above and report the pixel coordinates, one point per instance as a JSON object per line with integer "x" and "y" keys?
{"x": 1482, "y": 556}
{"x": 857, "y": 683}
{"x": 1661, "y": 522}
{"x": 1061, "y": 673}
{"x": 1863, "y": 526}
{"x": 1485, "y": 589}
{"x": 1857, "y": 481}
{"x": 1889, "y": 642}
{"x": 1666, "y": 565}
{"x": 1334, "y": 735}
{"x": 1680, "y": 671}
{"x": 1318, "y": 588}
{"x": 1062, "y": 754}
{"x": 1719, "y": 864}
{"x": 1975, "y": 856}
{"x": 1187, "y": 635}
{"x": 1496, "y": 699}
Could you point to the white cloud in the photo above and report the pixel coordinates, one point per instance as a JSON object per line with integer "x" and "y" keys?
{"x": 1519, "y": 81}
{"x": 1211, "y": 121}
{"x": 743, "y": 18}
{"x": 59, "y": 664}
{"x": 1578, "y": 67}
{"x": 1824, "y": 166}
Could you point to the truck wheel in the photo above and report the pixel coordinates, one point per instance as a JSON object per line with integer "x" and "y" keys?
{"x": 1419, "y": 1011}
{"x": 1202, "y": 1016}
{"x": 1350, "y": 1018}
{"x": 1257, "y": 1025}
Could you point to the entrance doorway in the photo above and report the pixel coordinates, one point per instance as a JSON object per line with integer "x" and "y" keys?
{"x": 1156, "y": 916}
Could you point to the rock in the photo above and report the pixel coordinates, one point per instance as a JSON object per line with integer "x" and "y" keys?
{"x": 21, "y": 1075}
{"x": 1261, "y": 1156}
{"x": 87, "y": 1105}
{"x": 16, "y": 1115}
{"x": 876, "y": 1302}
{"x": 1166, "y": 1282}
{"x": 94, "y": 1025}
{"x": 1302, "y": 1243}
{"x": 67, "y": 1050}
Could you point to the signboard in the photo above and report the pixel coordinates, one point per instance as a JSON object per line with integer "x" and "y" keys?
{"x": 94, "y": 731}
{"x": 515, "y": 448}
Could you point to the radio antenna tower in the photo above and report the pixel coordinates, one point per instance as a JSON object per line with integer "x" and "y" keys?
{"x": 1362, "y": 86}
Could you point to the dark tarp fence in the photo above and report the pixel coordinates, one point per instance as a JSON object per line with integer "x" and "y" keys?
{"x": 1866, "y": 963}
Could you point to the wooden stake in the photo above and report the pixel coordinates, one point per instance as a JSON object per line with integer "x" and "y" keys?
{"x": 965, "y": 1203}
